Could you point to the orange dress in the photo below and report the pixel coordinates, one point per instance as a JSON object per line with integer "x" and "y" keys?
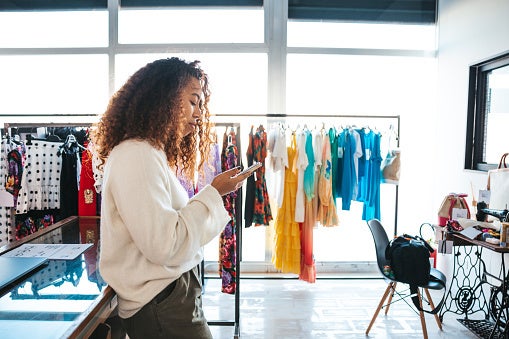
{"x": 286, "y": 254}
{"x": 307, "y": 265}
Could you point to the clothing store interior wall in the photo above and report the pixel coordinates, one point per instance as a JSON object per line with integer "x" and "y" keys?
{"x": 268, "y": 69}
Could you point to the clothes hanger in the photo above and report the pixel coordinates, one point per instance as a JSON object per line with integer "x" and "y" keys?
{"x": 52, "y": 137}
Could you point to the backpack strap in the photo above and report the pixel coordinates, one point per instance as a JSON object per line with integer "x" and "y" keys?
{"x": 415, "y": 299}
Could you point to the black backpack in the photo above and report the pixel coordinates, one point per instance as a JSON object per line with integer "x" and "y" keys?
{"x": 409, "y": 261}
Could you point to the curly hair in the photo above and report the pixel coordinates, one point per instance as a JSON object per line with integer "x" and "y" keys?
{"x": 149, "y": 106}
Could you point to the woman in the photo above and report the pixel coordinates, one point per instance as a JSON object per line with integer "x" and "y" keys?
{"x": 152, "y": 134}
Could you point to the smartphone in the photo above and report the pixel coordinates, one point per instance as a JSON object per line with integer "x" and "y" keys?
{"x": 251, "y": 168}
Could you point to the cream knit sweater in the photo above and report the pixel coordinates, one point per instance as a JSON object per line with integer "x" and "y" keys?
{"x": 151, "y": 232}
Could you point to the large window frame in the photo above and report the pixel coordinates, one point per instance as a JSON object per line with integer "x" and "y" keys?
{"x": 478, "y": 112}
{"x": 275, "y": 47}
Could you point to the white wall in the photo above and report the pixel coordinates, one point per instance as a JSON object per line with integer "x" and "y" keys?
{"x": 469, "y": 31}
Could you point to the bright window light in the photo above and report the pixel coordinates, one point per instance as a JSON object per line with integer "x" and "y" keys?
{"x": 53, "y": 84}
{"x": 361, "y": 35}
{"x": 359, "y": 84}
{"x": 191, "y": 26}
{"x": 238, "y": 81}
{"x": 54, "y": 29}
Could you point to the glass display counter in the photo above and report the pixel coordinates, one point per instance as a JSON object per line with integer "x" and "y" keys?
{"x": 63, "y": 299}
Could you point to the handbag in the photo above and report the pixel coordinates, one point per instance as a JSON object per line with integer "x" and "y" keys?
{"x": 391, "y": 166}
{"x": 451, "y": 201}
{"x": 498, "y": 184}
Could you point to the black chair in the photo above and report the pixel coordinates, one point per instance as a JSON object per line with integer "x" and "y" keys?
{"x": 381, "y": 242}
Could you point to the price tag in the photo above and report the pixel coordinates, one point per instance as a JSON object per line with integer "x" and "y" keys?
{"x": 459, "y": 213}
{"x": 340, "y": 152}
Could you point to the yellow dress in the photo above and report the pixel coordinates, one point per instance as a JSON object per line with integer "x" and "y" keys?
{"x": 286, "y": 254}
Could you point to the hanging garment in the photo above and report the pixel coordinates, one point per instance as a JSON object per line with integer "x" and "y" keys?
{"x": 15, "y": 170}
{"x": 349, "y": 178}
{"x": 262, "y": 213}
{"x": 309, "y": 171}
{"x": 362, "y": 170}
{"x": 71, "y": 166}
{"x": 98, "y": 173}
{"x": 227, "y": 238}
{"x": 337, "y": 163}
{"x": 286, "y": 253}
{"x": 249, "y": 203}
{"x": 371, "y": 208}
{"x": 87, "y": 196}
{"x": 357, "y": 154}
{"x": 8, "y": 185}
{"x": 211, "y": 168}
{"x": 278, "y": 161}
{"x": 300, "y": 164}
{"x": 308, "y": 270}
{"x": 318, "y": 137}
{"x": 40, "y": 180}
{"x": 327, "y": 213}
{"x": 186, "y": 183}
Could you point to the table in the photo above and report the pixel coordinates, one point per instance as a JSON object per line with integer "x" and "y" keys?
{"x": 66, "y": 298}
{"x": 485, "y": 314}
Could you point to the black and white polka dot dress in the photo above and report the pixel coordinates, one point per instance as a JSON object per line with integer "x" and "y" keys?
{"x": 40, "y": 183}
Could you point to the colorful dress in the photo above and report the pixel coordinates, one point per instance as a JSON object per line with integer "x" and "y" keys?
{"x": 257, "y": 152}
{"x": 300, "y": 165}
{"x": 327, "y": 214}
{"x": 308, "y": 270}
{"x": 286, "y": 254}
{"x": 87, "y": 198}
{"x": 227, "y": 238}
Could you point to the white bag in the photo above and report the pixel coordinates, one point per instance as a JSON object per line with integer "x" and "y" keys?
{"x": 498, "y": 185}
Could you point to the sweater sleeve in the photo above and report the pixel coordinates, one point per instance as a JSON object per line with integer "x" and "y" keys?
{"x": 165, "y": 227}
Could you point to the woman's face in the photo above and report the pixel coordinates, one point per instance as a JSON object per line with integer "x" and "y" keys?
{"x": 192, "y": 102}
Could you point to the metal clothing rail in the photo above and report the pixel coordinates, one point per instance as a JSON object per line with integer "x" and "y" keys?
{"x": 238, "y": 237}
{"x": 332, "y": 117}
{"x": 238, "y": 211}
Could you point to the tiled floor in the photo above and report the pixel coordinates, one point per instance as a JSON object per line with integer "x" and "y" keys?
{"x": 329, "y": 308}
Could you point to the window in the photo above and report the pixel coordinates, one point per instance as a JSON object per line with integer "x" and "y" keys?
{"x": 231, "y": 93}
{"x": 53, "y": 84}
{"x": 361, "y": 35}
{"x": 43, "y": 29}
{"x": 488, "y": 113}
{"x": 190, "y": 25}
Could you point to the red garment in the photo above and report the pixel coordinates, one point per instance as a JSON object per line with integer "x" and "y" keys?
{"x": 307, "y": 262}
{"x": 87, "y": 196}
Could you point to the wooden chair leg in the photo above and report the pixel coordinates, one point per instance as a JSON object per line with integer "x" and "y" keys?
{"x": 390, "y": 298}
{"x": 386, "y": 293}
{"x": 437, "y": 318}
{"x": 421, "y": 315}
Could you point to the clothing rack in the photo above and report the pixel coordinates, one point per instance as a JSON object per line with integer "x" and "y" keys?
{"x": 331, "y": 118}
{"x": 238, "y": 236}
{"x": 238, "y": 212}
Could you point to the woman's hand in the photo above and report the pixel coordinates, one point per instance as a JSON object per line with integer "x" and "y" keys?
{"x": 229, "y": 180}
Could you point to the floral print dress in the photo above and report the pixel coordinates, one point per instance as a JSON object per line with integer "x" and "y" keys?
{"x": 227, "y": 238}
{"x": 257, "y": 211}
